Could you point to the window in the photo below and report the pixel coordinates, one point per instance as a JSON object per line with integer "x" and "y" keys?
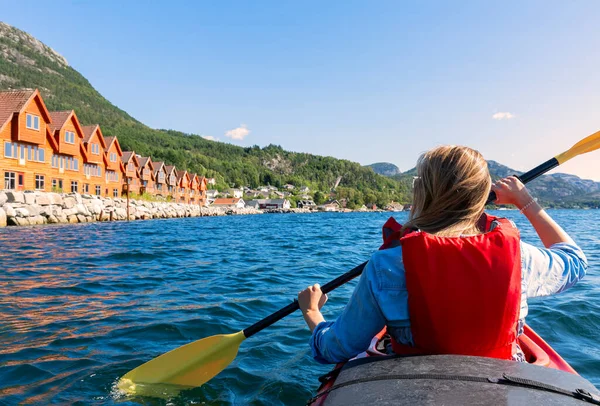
{"x": 33, "y": 122}
{"x": 39, "y": 182}
{"x": 161, "y": 176}
{"x": 57, "y": 185}
{"x": 86, "y": 188}
{"x": 113, "y": 157}
{"x": 96, "y": 149}
{"x": 74, "y": 186}
{"x": 9, "y": 180}
{"x": 22, "y": 151}
{"x": 8, "y": 150}
{"x": 130, "y": 167}
{"x": 29, "y": 152}
{"x": 70, "y": 137}
{"x": 115, "y": 193}
{"x": 98, "y": 190}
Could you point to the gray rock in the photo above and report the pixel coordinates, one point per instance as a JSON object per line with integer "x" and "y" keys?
{"x": 43, "y": 199}
{"x": 22, "y": 212}
{"x": 14, "y": 197}
{"x": 81, "y": 209}
{"x": 29, "y": 197}
{"x": 33, "y": 209}
{"x": 10, "y": 211}
{"x": 52, "y": 219}
{"x": 55, "y": 198}
{"x": 22, "y": 221}
{"x": 2, "y": 218}
{"x": 3, "y": 198}
{"x": 69, "y": 202}
{"x": 81, "y": 218}
{"x": 70, "y": 212}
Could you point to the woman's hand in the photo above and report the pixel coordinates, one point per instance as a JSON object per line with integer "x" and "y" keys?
{"x": 511, "y": 190}
{"x": 311, "y": 299}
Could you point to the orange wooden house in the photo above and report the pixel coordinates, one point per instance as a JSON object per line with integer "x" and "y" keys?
{"x": 193, "y": 189}
{"x": 26, "y": 139}
{"x": 115, "y": 170}
{"x": 202, "y": 187}
{"x": 172, "y": 188}
{"x": 131, "y": 180}
{"x": 95, "y": 161}
{"x": 147, "y": 178}
{"x": 183, "y": 187}
{"x": 160, "y": 175}
{"x": 67, "y": 159}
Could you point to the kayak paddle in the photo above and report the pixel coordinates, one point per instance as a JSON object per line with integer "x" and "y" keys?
{"x": 194, "y": 364}
{"x": 588, "y": 144}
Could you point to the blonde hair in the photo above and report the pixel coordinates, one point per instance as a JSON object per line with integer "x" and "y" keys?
{"x": 450, "y": 191}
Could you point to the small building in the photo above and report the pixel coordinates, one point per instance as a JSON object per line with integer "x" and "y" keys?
{"x": 211, "y": 181}
{"x": 288, "y": 187}
{"x": 115, "y": 170}
{"x": 147, "y": 179}
{"x": 212, "y": 194}
{"x": 183, "y": 187}
{"x": 306, "y": 204}
{"x": 333, "y": 205}
{"x": 94, "y": 161}
{"x": 270, "y": 204}
{"x": 236, "y": 193}
{"x": 231, "y": 203}
{"x": 202, "y": 185}
{"x": 193, "y": 188}
{"x": 67, "y": 160}
{"x": 160, "y": 176}
{"x": 304, "y": 189}
{"x": 131, "y": 180}
{"x": 172, "y": 188}
{"x": 27, "y": 142}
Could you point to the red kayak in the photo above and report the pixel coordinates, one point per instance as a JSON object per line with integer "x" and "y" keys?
{"x": 376, "y": 377}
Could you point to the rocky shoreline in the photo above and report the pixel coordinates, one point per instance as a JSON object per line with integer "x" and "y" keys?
{"x": 36, "y": 208}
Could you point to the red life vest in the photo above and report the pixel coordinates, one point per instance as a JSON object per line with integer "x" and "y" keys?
{"x": 464, "y": 293}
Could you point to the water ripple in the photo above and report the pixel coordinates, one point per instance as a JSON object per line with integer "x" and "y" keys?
{"x": 83, "y": 304}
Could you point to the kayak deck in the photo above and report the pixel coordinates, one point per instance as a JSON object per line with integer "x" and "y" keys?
{"x": 376, "y": 377}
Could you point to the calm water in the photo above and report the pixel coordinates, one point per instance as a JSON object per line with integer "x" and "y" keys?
{"x": 81, "y": 305}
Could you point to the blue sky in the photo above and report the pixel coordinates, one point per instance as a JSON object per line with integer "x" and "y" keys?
{"x": 361, "y": 80}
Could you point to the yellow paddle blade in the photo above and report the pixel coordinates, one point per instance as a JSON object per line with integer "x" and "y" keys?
{"x": 188, "y": 366}
{"x": 588, "y": 144}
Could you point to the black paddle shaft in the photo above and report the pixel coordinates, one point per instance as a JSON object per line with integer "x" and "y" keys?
{"x": 348, "y": 276}
{"x": 292, "y": 307}
{"x": 531, "y": 175}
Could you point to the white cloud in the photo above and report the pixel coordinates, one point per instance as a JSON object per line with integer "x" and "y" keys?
{"x": 209, "y": 137}
{"x": 238, "y": 133}
{"x": 503, "y": 115}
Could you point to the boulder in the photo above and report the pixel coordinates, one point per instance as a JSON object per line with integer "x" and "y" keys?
{"x": 69, "y": 202}
{"x": 3, "y": 198}
{"x": 22, "y": 221}
{"x": 2, "y": 218}
{"x": 55, "y": 198}
{"x": 52, "y": 219}
{"x": 81, "y": 209}
{"x": 14, "y": 197}
{"x": 70, "y": 212}
{"x": 43, "y": 199}
{"x": 10, "y": 211}
{"x": 81, "y": 218}
{"x": 72, "y": 219}
{"x": 29, "y": 197}
{"x": 22, "y": 212}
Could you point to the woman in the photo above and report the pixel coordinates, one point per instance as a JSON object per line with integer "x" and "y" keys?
{"x": 460, "y": 281}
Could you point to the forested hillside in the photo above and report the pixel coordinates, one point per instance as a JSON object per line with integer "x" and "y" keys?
{"x": 26, "y": 62}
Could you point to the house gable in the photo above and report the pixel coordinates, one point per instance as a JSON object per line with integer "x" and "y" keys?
{"x": 94, "y": 144}
{"x": 68, "y": 133}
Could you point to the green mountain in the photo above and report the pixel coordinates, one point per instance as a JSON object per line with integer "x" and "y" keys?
{"x": 25, "y": 62}
{"x": 556, "y": 190}
{"x": 385, "y": 168}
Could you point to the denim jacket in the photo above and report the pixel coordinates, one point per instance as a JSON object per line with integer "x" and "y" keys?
{"x": 381, "y": 298}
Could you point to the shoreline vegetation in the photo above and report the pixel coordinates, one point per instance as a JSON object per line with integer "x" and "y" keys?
{"x": 37, "y": 208}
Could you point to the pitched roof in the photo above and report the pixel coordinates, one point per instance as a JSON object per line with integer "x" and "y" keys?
{"x": 59, "y": 118}
{"x": 224, "y": 200}
{"x": 170, "y": 168}
{"x": 180, "y": 175}
{"x": 12, "y": 102}
{"x": 157, "y": 166}
{"x": 88, "y": 132}
{"x": 127, "y": 156}
{"x": 144, "y": 160}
